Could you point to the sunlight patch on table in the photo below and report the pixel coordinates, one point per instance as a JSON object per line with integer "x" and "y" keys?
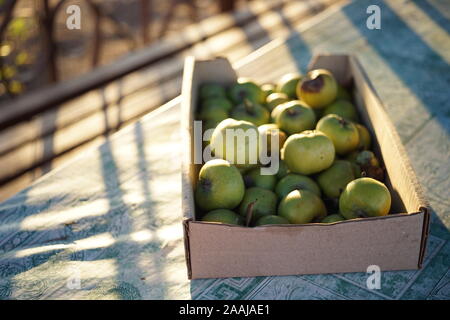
{"x": 170, "y": 233}
{"x": 142, "y": 236}
{"x": 54, "y": 218}
{"x": 37, "y": 250}
{"x": 102, "y": 240}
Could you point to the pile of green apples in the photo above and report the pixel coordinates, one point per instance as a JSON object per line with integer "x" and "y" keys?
{"x": 327, "y": 172}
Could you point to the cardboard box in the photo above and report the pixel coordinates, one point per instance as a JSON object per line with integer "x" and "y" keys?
{"x": 393, "y": 242}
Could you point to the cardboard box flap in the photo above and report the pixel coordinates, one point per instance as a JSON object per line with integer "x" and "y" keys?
{"x": 338, "y": 65}
{"x": 402, "y": 179}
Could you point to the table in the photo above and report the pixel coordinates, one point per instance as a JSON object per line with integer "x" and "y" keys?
{"x": 107, "y": 225}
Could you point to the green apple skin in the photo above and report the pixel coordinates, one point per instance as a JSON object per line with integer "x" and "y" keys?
{"x": 356, "y": 170}
{"x": 367, "y": 158}
{"x": 288, "y": 84}
{"x": 212, "y": 90}
{"x": 342, "y": 108}
{"x": 343, "y": 93}
{"x": 318, "y": 88}
{"x": 332, "y": 218}
{"x": 275, "y": 112}
{"x": 282, "y": 169}
{"x": 365, "y": 140}
{"x": 265, "y": 203}
{"x": 308, "y": 152}
{"x": 250, "y": 146}
{"x": 295, "y": 117}
{"x": 224, "y": 103}
{"x": 343, "y": 133}
{"x": 254, "y": 178}
{"x": 251, "y": 112}
{"x": 271, "y": 219}
{"x": 275, "y": 99}
{"x": 220, "y": 186}
{"x": 213, "y": 112}
{"x": 352, "y": 156}
{"x": 224, "y": 216}
{"x": 302, "y": 206}
{"x": 266, "y": 132}
{"x": 370, "y": 165}
{"x": 268, "y": 89}
{"x": 293, "y": 182}
{"x": 365, "y": 197}
{"x": 333, "y": 180}
{"x": 246, "y": 89}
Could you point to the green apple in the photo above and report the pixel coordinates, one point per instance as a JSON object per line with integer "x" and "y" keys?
{"x": 343, "y": 133}
{"x": 332, "y": 218}
{"x": 356, "y": 170}
{"x": 295, "y": 117}
{"x": 318, "y": 88}
{"x": 365, "y": 197}
{"x": 213, "y": 112}
{"x": 246, "y": 89}
{"x": 276, "y": 111}
{"x": 308, "y": 152}
{"x": 270, "y": 131}
{"x": 271, "y": 219}
{"x": 288, "y": 84}
{"x": 251, "y": 112}
{"x": 294, "y": 181}
{"x": 254, "y": 178}
{"x": 343, "y": 108}
{"x": 263, "y": 201}
{"x": 222, "y": 102}
{"x": 352, "y": 156}
{"x": 367, "y": 158}
{"x": 370, "y": 165}
{"x": 223, "y": 216}
{"x": 282, "y": 169}
{"x": 302, "y": 206}
{"x": 220, "y": 186}
{"x": 343, "y": 93}
{"x": 212, "y": 90}
{"x": 364, "y": 137}
{"x": 275, "y": 99}
{"x": 268, "y": 88}
{"x": 236, "y": 141}
{"x": 333, "y": 180}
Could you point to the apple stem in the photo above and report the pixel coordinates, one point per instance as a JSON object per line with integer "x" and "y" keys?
{"x": 248, "y": 105}
{"x": 249, "y": 213}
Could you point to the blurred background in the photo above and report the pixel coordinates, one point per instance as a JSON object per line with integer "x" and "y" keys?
{"x": 64, "y": 89}
{"x": 37, "y": 48}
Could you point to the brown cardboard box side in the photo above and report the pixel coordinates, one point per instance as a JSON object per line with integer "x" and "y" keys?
{"x": 395, "y": 242}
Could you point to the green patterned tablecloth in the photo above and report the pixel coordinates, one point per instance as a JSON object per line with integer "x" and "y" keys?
{"x": 107, "y": 225}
